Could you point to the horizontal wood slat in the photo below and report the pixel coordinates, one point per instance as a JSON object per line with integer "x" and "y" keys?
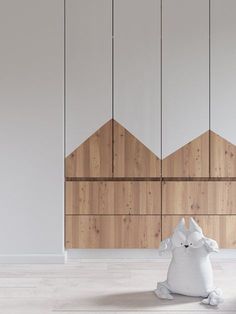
{"x": 113, "y": 231}
{"x": 110, "y": 197}
{"x": 220, "y": 228}
{"x": 199, "y": 198}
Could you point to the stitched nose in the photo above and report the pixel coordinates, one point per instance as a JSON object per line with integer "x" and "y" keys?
{"x": 186, "y": 246}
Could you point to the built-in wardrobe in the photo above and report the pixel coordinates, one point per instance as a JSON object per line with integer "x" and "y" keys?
{"x": 150, "y": 103}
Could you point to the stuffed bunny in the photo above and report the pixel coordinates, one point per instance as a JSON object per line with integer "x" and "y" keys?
{"x": 190, "y": 270}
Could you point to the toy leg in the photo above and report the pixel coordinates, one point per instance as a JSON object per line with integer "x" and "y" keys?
{"x": 162, "y": 291}
{"x": 214, "y": 297}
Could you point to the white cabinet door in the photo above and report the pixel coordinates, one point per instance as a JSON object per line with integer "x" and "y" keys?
{"x": 31, "y": 128}
{"x": 223, "y": 91}
{"x": 137, "y": 47}
{"x": 88, "y": 69}
{"x": 185, "y": 82}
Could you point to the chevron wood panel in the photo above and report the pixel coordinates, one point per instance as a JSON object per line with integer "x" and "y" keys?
{"x": 191, "y": 160}
{"x": 220, "y": 228}
{"x": 113, "y": 231}
{"x": 131, "y": 157}
{"x": 199, "y": 198}
{"x": 223, "y": 157}
{"x": 93, "y": 158}
{"x": 110, "y": 197}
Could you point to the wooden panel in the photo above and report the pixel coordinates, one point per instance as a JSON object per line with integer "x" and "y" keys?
{"x": 185, "y": 84}
{"x": 131, "y": 157}
{"x": 223, "y": 73}
{"x": 88, "y": 69}
{"x": 112, "y": 231}
{"x": 223, "y": 157}
{"x": 118, "y": 197}
{"x": 191, "y": 160}
{"x": 220, "y": 228}
{"x": 94, "y": 157}
{"x": 137, "y": 70}
{"x": 197, "y": 198}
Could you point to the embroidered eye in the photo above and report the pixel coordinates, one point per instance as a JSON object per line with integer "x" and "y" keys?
{"x": 190, "y": 244}
{"x": 181, "y": 243}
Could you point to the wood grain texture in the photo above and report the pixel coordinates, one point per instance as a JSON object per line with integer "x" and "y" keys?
{"x": 194, "y": 198}
{"x": 113, "y": 231}
{"x": 110, "y": 197}
{"x": 131, "y": 157}
{"x": 191, "y": 160}
{"x": 220, "y": 228}
{"x": 223, "y": 157}
{"x": 94, "y": 157}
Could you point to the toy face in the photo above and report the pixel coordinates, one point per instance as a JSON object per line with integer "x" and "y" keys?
{"x": 187, "y": 239}
{"x": 192, "y": 238}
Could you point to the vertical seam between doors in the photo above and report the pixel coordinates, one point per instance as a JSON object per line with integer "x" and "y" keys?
{"x": 112, "y": 81}
{"x": 64, "y": 112}
{"x": 161, "y": 113}
{"x": 209, "y": 87}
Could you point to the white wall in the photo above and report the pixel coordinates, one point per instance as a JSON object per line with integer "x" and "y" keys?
{"x": 31, "y": 130}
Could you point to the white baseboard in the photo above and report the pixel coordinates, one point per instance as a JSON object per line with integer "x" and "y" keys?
{"x": 135, "y": 254}
{"x": 33, "y": 259}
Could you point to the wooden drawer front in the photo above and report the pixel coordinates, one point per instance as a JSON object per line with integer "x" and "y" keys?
{"x": 220, "y": 228}
{"x": 107, "y": 197}
{"x": 199, "y": 198}
{"x": 113, "y": 231}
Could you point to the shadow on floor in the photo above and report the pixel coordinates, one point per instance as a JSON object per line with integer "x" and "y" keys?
{"x": 140, "y": 300}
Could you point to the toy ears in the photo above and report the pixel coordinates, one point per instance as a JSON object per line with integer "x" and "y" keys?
{"x": 181, "y": 225}
{"x": 193, "y": 226}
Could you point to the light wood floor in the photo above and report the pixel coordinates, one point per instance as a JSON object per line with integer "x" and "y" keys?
{"x": 103, "y": 286}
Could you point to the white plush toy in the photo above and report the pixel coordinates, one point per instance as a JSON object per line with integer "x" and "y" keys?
{"x": 190, "y": 270}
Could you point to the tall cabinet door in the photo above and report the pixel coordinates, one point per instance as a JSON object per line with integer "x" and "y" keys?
{"x": 137, "y": 149}
{"x": 88, "y": 88}
{"x": 223, "y": 92}
{"x": 185, "y": 82}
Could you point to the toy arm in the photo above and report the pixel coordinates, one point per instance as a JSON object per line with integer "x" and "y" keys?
{"x": 165, "y": 246}
{"x": 211, "y": 245}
